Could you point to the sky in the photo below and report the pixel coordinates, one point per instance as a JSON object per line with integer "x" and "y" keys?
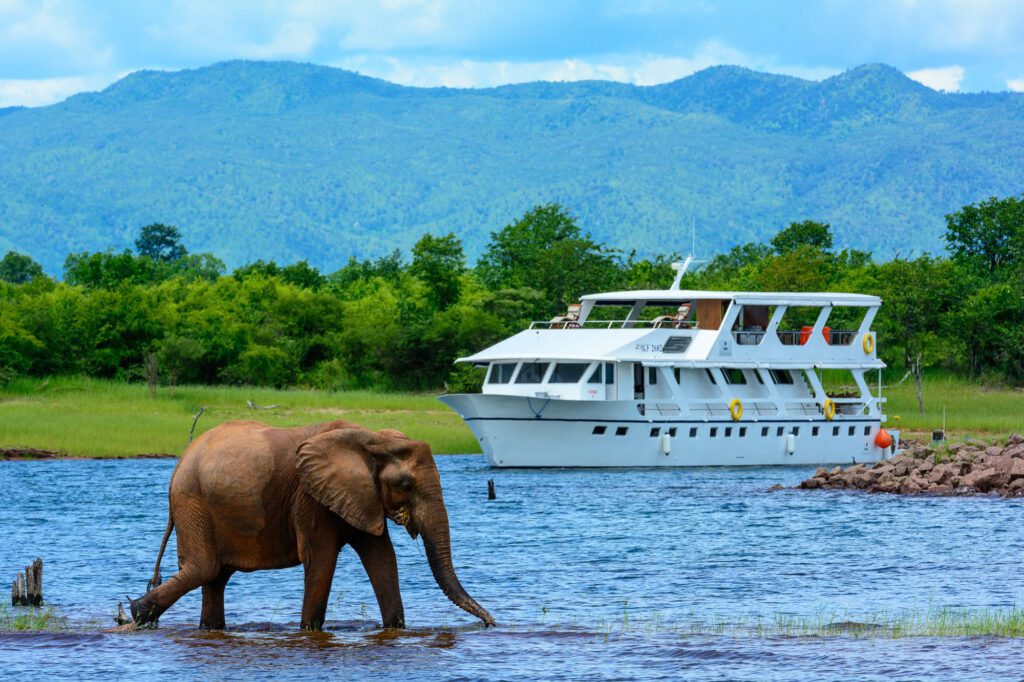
{"x": 51, "y": 49}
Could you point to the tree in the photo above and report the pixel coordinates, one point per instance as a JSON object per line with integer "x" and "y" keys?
{"x": 17, "y": 268}
{"x": 547, "y": 251}
{"x": 807, "y": 233}
{"x": 108, "y": 270}
{"x": 439, "y": 262}
{"x": 989, "y": 233}
{"x": 303, "y": 275}
{"x": 160, "y": 242}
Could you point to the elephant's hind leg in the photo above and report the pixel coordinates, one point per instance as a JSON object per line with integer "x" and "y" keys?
{"x": 212, "y": 617}
{"x": 148, "y": 608}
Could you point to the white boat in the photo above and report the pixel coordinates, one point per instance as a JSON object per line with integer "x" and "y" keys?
{"x": 684, "y": 378}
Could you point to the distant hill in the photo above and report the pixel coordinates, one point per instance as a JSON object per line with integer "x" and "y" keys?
{"x": 288, "y": 161}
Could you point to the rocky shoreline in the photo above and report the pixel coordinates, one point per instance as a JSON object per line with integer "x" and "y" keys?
{"x": 961, "y": 469}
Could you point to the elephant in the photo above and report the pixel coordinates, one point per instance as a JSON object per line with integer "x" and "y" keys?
{"x": 246, "y": 496}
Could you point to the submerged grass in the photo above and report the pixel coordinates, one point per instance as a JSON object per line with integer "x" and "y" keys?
{"x": 97, "y": 418}
{"x": 930, "y": 622}
{"x": 31, "y": 619}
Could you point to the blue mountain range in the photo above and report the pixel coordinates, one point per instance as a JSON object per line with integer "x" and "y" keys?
{"x": 294, "y": 161}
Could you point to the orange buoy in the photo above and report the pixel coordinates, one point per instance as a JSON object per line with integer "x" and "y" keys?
{"x": 883, "y": 439}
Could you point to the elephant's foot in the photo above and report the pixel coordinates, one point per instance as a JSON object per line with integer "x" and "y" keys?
{"x": 144, "y": 610}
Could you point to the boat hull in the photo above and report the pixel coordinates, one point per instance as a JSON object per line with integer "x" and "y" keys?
{"x": 516, "y": 431}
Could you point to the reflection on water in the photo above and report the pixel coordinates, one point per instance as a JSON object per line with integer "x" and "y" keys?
{"x": 590, "y": 574}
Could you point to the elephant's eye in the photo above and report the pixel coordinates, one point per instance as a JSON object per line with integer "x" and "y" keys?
{"x": 405, "y": 483}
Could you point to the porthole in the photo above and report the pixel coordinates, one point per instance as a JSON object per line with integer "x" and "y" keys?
{"x": 693, "y": 432}
{"x": 796, "y": 430}
{"x": 599, "y": 430}
{"x": 764, "y": 432}
{"x": 714, "y": 432}
{"x": 655, "y": 433}
{"x": 850, "y": 433}
{"x": 778, "y": 431}
{"x": 728, "y": 431}
{"x": 672, "y": 432}
{"x": 743, "y": 432}
{"x": 814, "y": 431}
{"x": 867, "y": 430}
{"x": 621, "y": 430}
{"x": 835, "y": 430}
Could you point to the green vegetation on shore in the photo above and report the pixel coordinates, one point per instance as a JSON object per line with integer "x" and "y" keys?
{"x": 100, "y": 418}
{"x": 103, "y": 418}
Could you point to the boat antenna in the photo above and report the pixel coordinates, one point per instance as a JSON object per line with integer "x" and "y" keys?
{"x": 691, "y": 259}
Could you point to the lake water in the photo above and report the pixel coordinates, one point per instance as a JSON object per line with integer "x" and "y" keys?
{"x": 590, "y": 574}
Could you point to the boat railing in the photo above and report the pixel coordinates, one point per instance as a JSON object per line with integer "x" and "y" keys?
{"x": 799, "y": 337}
{"x": 610, "y": 324}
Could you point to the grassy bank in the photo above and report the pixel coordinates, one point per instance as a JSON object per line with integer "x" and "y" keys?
{"x": 93, "y": 418}
{"x": 971, "y": 408}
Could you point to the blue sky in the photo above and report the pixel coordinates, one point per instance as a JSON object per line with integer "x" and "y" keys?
{"x": 50, "y": 49}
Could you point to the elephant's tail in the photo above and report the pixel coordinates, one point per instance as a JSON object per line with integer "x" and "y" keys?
{"x": 160, "y": 555}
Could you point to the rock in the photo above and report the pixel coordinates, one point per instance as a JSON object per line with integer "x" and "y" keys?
{"x": 926, "y": 465}
{"x": 980, "y": 444}
{"x": 911, "y": 486}
{"x": 985, "y": 480}
{"x": 901, "y": 468}
{"x": 862, "y": 481}
{"x": 821, "y": 472}
{"x": 940, "y": 475}
{"x": 957, "y": 448}
{"x": 940, "y": 489}
{"x": 1016, "y": 488}
{"x": 777, "y": 486}
{"x": 812, "y": 483}
{"x": 1016, "y": 450}
{"x": 1015, "y": 439}
{"x": 993, "y": 451}
{"x": 835, "y": 471}
{"x": 1016, "y": 470}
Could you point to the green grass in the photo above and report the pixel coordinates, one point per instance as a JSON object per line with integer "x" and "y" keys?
{"x": 95, "y": 418}
{"x": 930, "y": 622}
{"x": 31, "y": 619}
{"x": 971, "y": 408}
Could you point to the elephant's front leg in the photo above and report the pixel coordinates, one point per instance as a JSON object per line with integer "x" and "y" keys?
{"x": 378, "y": 557}
{"x": 319, "y": 567}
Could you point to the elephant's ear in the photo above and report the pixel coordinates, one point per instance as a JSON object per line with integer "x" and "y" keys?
{"x": 393, "y": 433}
{"x": 337, "y": 469}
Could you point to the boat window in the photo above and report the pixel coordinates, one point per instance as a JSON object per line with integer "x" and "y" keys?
{"x": 867, "y": 430}
{"x": 714, "y": 431}
{"x": 532, "y": 372}
{"x": 609, "y": 373}
{"x": 652, "y": 376}
{"x": 781, "y": 376}
{"x": 728, "y": 431}
{"x": 796, "y": 430}
{"x": 693, "y": 432}
{"x": 567, "y": 372}
{"x": 597, "y": 376}
{"x": 764, "y": 432}
{"x": 778, "y": 432}
{"x": 743, "y": 432}
{"x": 835, "y": 430}
{"x": 599, "y": 430}
{"x": 733, "y": 375}
{"x": 851, "y": 431}
{"x": 501, "y": 372}
{"x": 655, "y": 432}
{"x": 711, "y": 376}
{"x": 672, "y": 432}
{"x": 678, "y": 374}
{"x": 621, "y": 430}
{"x": 814, "y": 431}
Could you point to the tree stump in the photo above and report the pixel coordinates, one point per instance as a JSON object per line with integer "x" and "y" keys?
{"x": 490, "y": 490}
{"x": 27, "y": 588}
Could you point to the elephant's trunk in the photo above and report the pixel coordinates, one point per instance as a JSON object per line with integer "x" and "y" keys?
{"x": 437, "y": 541}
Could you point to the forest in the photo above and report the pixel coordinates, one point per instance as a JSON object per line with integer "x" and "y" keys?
{"x": 160, "y": 314}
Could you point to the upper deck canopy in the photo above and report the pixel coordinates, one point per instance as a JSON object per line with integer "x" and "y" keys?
{"x": 677, "y": 296}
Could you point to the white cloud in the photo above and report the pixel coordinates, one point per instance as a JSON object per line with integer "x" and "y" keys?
{"x": 947, "y": 78}
{"x": 42, "y": 91}
{"x": 1016, "y": 84}
{"x": 639, "y": 70}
